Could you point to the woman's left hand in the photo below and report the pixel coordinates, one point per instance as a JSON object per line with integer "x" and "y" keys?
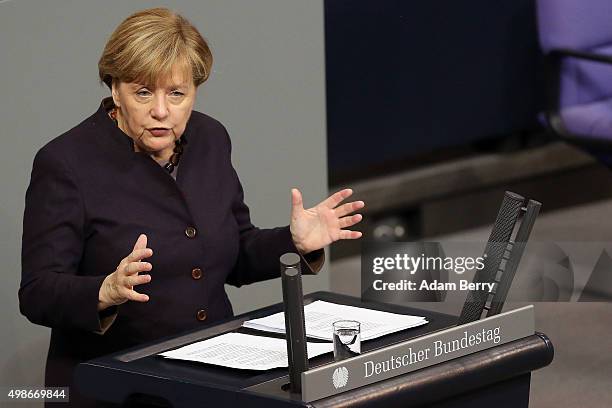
{"x": 324, "y": 223}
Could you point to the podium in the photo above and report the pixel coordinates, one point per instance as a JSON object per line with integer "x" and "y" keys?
{"x": 498, "y": 376}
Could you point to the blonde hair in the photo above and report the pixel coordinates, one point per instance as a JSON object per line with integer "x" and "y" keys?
{"x": 147, "y": 44}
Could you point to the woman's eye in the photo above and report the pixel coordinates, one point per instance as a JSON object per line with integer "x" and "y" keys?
{"x": 142, "y": 93}
{"x": 177, "y": 93}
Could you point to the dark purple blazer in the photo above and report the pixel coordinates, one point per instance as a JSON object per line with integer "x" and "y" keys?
{"x": 89, "y": 198}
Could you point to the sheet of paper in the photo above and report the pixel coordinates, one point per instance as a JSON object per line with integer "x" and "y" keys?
{"x": 243, "y": 351}
{"x": 320, "y": 315}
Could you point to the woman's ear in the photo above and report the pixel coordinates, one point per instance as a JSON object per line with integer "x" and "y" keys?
{"x": 115, "y": 92}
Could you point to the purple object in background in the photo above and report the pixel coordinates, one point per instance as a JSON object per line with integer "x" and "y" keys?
{"x": 584, "y": 93}
{"x": 574, "y": 24}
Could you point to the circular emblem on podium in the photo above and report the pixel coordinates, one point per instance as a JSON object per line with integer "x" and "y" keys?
{"x": 340, "y": 377}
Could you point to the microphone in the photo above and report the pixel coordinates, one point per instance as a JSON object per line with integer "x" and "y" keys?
{"x": 501, "y": 233}
{"x": 520, "y": 242}
{"x": 295, "y": 328}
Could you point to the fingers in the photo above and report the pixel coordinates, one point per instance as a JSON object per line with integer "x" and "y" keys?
{"x": 347, "y": 234}
{"x": 336, "y": 198}
{"x": 348, "y": 208}
{"x": 131, "y": 294}
{"x": 138, "y": 254}
{"x": 135, "y": 280}
{"x": 137, "y": 267}
{"x": 141, "y": 242}
{"x": 118, "y": 287}
{"x": 140, "y": 250}
{"x": 127, "y": 291}
{"x": 349, "y": 221}
{"x": 297, "y": 204}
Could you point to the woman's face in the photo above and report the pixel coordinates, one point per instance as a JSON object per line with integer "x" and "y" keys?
{"x": 155, "y": 118}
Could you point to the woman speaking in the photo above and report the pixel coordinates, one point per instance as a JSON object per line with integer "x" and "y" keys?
{"x": 135, "y": 218}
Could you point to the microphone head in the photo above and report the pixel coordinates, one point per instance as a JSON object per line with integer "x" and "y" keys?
{"x": 290, "y": 259}
{"x": 291, "y": 272}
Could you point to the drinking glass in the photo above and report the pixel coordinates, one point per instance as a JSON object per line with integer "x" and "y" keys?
{"x": 347, "y": 339}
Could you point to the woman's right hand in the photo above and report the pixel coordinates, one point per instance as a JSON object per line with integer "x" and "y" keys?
{"x": 118, "y": 287}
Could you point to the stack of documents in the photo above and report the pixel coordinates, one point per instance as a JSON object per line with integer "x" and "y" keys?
{"x": 319, "y": 316}
{"x": 237, "y": 350}
{"x": 243, "y": 351}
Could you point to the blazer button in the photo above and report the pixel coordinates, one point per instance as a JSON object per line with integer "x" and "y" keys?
{"x": 190, "y": 232}
{"x": 196, "y": 273}
{"x": 201, "y": 315}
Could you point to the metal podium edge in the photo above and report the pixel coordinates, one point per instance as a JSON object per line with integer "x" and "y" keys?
{"x": 341, "y": 376}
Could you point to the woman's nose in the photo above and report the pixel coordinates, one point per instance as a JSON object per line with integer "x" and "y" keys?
{"x": 160, "y": 108}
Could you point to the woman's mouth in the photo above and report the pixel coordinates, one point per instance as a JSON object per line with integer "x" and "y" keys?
{"x": 158, "y": 131}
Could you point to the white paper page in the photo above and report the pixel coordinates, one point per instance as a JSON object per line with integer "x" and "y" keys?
{"x": 320, "y": 315}
{"x": 243, "y": 351}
